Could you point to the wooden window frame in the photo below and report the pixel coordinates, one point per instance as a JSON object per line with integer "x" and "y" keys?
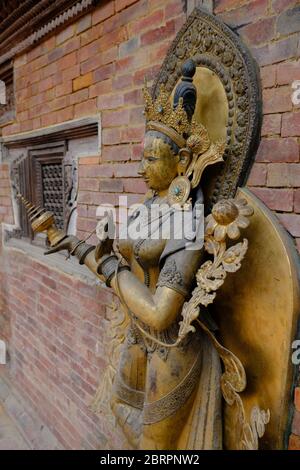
{"x": 31, "y": 181}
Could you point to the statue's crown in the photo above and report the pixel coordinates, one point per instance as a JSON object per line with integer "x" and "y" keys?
{"x": 174, "y": 119}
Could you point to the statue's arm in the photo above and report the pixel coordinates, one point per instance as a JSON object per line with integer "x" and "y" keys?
{"x": 91, "y": 263}
{"x": 84, "y": 252}
{"x": 157, "y": 310}
{"x": 160, "y": 310}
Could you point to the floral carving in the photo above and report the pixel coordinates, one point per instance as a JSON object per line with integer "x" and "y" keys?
{"x": 226, "y": 219}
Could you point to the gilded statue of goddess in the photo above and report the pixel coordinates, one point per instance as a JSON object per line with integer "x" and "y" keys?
{"x": 166, "y": 393}
{"x": 176, "y": 386}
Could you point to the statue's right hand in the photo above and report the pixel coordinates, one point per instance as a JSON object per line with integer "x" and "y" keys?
{"x": 68, "y": 243}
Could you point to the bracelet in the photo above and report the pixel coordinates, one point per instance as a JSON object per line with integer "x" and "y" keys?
{"x": 76, "y": 246}
{"x": 82, "y": 250}
{"x": 108, "y": 268}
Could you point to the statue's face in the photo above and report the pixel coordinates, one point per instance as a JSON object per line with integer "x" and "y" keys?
{"x": 159, "y": 165}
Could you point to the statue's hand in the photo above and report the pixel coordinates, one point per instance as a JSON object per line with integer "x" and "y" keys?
{"x": 68, "y": 243}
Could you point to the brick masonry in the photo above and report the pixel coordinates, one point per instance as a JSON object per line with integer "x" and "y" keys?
{"x": 58, "y": 324}
{"x": 98, "y": 64}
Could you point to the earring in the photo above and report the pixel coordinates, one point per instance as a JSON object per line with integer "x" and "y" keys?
{"x": 180, "y": 188}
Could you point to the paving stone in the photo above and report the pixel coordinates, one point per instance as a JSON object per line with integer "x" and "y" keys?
{"x": 10, "y": 437}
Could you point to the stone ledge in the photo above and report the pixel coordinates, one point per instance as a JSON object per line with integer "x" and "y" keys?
{"x": 56, "y": 261}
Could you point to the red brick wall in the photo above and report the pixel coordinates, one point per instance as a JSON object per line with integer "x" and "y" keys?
{"x": 6, "y": 216}
{"x": 56, "y": 322}
{"x": 98, "y": 64}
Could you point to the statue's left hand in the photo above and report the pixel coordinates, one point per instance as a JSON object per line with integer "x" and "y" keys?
{"x": 68, "y": 243}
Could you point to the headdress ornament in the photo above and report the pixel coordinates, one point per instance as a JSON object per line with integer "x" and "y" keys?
{"x": 176, "y": 121}
{"x": 173, "y": 120}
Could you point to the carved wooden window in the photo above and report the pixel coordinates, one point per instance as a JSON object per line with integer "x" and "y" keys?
{"x": 42, "y": 181}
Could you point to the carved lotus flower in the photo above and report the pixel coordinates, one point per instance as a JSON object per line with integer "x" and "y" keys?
{"x": 227, "y": 217}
